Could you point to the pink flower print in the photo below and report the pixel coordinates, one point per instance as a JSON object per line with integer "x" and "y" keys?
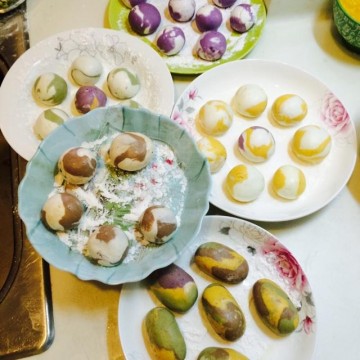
{"x": 169, "y": 161}
{"x": 307, "y": 324}
{"x": 193, "y": 94}
{"x": 285, "y": 263}
{"x": 334, "y": 113}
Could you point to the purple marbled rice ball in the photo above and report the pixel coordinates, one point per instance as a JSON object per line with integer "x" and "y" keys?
{"x": 224, "y": 3}
{"x": 144, "y": 18}
{"x": 208, "y": 17}
{"x": 182, "y": 10}
{"x": 170, "y": 40}
{"x": 211, "y": 45}
{"x": 132, "y": 3}
{"x": 242, "y": 18}
{"x": 88, "y": 98}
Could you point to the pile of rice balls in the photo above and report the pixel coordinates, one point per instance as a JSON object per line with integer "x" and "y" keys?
{"x": 309, "y": 145}
{"x": 145, "y": 19}
{"x": 108, "y": 244}
{"x": 51, "y": 90}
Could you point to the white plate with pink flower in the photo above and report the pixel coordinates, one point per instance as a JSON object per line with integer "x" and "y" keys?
{"x": 324, "y": 180}
{"x": 267, "y": 258}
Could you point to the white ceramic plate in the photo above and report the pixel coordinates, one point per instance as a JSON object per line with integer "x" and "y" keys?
{"x": 55, "y": 54}
{"x": 267, "y": 258}
{"x": 324, "y": 180}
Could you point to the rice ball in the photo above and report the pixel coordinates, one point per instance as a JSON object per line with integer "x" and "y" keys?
{"x": 250, "y": 100}
{"x": 123, "y": 83}
{"x": 86, "y": 70}
{"x": 288, "y": 182}
{"x": 50, "y": 89}
{"x": 49, "y": 120}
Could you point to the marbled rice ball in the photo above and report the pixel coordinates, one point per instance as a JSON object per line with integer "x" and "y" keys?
{"x": 144, "y": 19}
{"x": 86, "y": 70}
{"x": 50, "y": 89}
{"x": 214, "y": 151}
{"x": 256, "y": 144}
{"x": 48, "y": 121}
{"x": 224, "y": 3}
{"x": 250, "y": 100}
{"x": 215, "y": 117}
{"x": 242, "y": 18}
{"x": 88, "y": 98}
{"x": 61, "y": 211}
{"x": 107, "y": 245}
{"x": 130, "y": 151}
{"x": 157, "y": 224}
{"x": 311, "y": 143}
{"x": 182, "y": 10}
{"x": 131, "y": 3}
{"x": 208, "y": 17}
{"x": 123, "y": 83}
{"x": 244, "y": 183}
{"x": 77, "y": 165}
{"x": 210, "y": 46}
{"x": 289, "y": 109}
{"x": 288, "y": 182}
{"x": 170, "y": 40}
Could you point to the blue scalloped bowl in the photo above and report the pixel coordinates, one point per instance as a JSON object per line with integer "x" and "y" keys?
{"x": 39, "y": 179}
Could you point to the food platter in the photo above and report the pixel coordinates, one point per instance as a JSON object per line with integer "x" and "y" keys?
{"x": 162, "y": 187}
{"x": 239, "y": 45}
{"x": 268, "y": 258}
{"x": 19, "y": 111}
{"x": 324, "y": 180}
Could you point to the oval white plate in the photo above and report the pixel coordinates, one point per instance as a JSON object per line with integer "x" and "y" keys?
{"x": 19, "y": 110}
{"x": 324, "y": 180}
{"x": 267, "y": 258}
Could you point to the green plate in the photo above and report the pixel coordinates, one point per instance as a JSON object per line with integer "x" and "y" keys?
{"x": 238, "y": 45}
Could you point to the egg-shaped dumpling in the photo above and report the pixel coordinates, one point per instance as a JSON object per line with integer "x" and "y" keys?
{"x": 123, "y": 83}
{"x": 130, "y": 151}
{"x": 256, "y": 144}
{"x": 210, "y": 46}
{"x": 215, "y": 117}
{"x": 170, "y": 40}
{"x": 144, "y": 18}
{"x": 250, "y": 100}
{"x": 311, "y": 143}
{"x": 48, "y": 121}
{"x": 208, "y": 17}
{"x": 86, "y": 70}
{"x": 107, "y": 245}
{"x": 77, "y": 165}
{"x": 61, "y": 211}
{"x": 289, "y": 109}
{"x": 157, "y": 224}
{"x": 242, "y": 18}
{"x": 214, "y": 151}
{"x": 182, "y": 10}
{"x": 244, "y": 183}
{"x": 89, "y": 97}
{"x": 288, "y": 182}
{"x": 50, "y": 89}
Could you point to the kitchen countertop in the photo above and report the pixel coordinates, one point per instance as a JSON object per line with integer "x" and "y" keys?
{"x": 326, "y": 243}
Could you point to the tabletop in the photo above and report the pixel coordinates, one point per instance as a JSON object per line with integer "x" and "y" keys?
{"x": 326, "y": 243}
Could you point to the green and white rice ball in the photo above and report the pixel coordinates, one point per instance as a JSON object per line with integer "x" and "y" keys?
{"x": 123, "y": 83}
{"x": 50, "y": 89}
{"x": 48, "y": 121}
{"x": 86, "y": 70}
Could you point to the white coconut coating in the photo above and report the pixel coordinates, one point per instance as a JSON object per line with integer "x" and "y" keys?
{"x": 107, "y": 245}
{"x": 289, "y": 109}
{"x": 250, "y": 100}
{"x": 244, "y": 183}
{"x": 215, "y": 117}
{"x": 157, "y": 224}
{"x": 289, "y": 182}
{"x": 48, "y": 121}
{"x": 123, "y": 83}
{"x": 256, "y": 144}
{"x": 311, "y": 143}
{"x": 86, "y": 70}
{"x": 182, "y": 10}
{"x": 61, "y": 211}
{"x": 214, "y": 151}
{"x": 130, "y": 151}
{"x": 77, "y": 165}
{"x": 50, "y": 89}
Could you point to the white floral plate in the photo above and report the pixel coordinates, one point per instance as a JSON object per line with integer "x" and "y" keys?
{"x": 324, "y": 180}
{"x": 55, "y": 54}
{"x": 267, "y": 258}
